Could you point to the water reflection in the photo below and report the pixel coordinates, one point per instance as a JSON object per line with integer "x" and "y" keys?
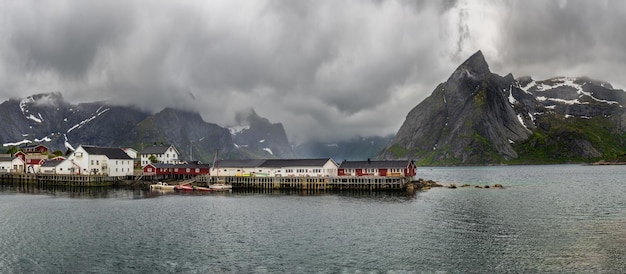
{"x": 144, "y": 193}
{"x": 79, "y": 192}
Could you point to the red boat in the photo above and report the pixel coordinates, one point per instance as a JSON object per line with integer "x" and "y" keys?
{"x": 188, "y": 187}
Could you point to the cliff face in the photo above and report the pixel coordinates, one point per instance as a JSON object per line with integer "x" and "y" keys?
{"x": 477, "y": 117}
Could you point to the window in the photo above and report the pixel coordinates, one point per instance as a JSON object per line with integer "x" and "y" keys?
{"x": 91, "y": 162}
{"x": 188, "y": 170}
{"x": 197, "y": 170}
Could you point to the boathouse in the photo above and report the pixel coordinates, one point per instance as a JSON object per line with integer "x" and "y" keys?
{"x": 176, "y": 170}
{"x": 33, "y": 161}
{"x": 10, "y": 164}
{"x": 403, "y": 168}
{"x": 236, "y": 167}
{"x": 51, "y": 166}
{"x": 299, "y": 167}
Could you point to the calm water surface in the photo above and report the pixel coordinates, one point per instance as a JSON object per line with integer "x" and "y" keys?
{"x": 559, "y": 219}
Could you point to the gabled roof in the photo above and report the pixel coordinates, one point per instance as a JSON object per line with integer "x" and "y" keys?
{"x": 240, "y": 163}
{"x": 33, "y": 146}
{"x": 6, "y": 158}
{"x": 375, "y": 164}
{"x": 109, "y": 152}
{"x": 188, "y": 165}
{"x": 279, "y": 163}
{"x": 156, "y": 149}
{"x": 51, "y": 163}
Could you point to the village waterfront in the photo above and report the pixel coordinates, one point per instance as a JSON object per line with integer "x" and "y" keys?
{"x": 562, "y": 218}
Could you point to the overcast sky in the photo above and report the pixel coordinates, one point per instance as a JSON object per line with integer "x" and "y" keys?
{"x": 326, "y": 69}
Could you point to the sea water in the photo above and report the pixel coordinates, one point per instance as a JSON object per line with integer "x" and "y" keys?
{"x": 546, "y": 219}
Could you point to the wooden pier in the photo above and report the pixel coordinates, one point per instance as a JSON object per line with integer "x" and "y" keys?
{"x": 58, "y": 179}
{"x": 371, "y": 183}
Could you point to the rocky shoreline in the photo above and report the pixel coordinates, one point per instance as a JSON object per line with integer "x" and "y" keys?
{"x": 421, "y": 184}
{"x": 603, "y": 163}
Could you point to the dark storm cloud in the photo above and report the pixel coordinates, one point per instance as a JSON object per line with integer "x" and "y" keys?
{"x": 565, "y": 38}
{"x": 63, "y": 38}
{"x": 326, "y": 69}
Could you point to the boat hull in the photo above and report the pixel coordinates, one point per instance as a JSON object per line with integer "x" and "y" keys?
{"x": 220, "y": 187}
{"x": 162, "y": 186}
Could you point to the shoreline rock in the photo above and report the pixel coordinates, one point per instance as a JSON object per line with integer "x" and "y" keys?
{"x": 421, "y": 184}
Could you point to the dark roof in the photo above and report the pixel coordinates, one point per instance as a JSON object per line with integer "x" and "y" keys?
{"x": 189, "y": 165}
{"x": 33, "y": 146}
{"x": 6, "y": 159}
{"x": 110, "y": 152}
{"x": 375, "y": 164}
{"x": 240, "y": 163}
{"x": 51, "y": 163}
{"x": 277, "y": 163}
{"x": 156, "y": 149}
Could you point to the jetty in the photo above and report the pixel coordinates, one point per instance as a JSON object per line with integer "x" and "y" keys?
{"x": 59, "y": 179}
{"x": 321, "y": 183}
{"x": 372, "y": 183}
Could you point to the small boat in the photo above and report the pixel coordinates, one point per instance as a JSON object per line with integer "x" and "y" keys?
{"x": 220, "y": 186}
{"x": 162, "y": 186}
{"x": 187, "y": 187}
{"x": 183, "y": 187}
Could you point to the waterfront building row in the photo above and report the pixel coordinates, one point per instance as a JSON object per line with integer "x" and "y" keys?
{"x": 162, "y": 161}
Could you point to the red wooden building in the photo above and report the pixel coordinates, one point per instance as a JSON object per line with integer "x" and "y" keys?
{"x": 405, "y": 168}
{"x": 35, "y": 149}
{"x": 32, "y": 162}
{"x": 176, "y": 170}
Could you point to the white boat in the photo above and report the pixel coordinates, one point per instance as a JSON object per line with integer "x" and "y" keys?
{"x": 220, "y": 186}
{"x": 162, "y": 186}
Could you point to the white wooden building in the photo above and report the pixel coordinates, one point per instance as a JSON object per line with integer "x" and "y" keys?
{"x": 164, "y": 154}
{"x": 235, "y": 167}
{"x": 324, "y": 167}
{"x": 11, "y": 164}
{"x": 276, "y": 168}
{"x": 97, "y": 161}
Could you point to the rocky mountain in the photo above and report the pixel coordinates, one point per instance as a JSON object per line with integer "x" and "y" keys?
{"x": 477, "y": 117}
{"x": 256, "y": 137}
{"x": 356, "y": 149}
{"x": 49, "y": 119}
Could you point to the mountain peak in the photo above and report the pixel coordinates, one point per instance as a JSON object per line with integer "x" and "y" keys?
{"x": 475, "y": 65}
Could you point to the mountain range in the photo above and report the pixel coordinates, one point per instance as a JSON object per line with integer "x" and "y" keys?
{"x": 478, "y": 117}
{"x": 47, "y": 118}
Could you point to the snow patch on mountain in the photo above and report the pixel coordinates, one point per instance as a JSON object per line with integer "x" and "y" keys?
{"x": 25, "y": 141}
{"x": 237, "y": 129}
{"x": 82, "y": 123}
{"x": 67, "y": 144}
{"x": 560, "y": 82}
{"x": 24, "y": 108}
